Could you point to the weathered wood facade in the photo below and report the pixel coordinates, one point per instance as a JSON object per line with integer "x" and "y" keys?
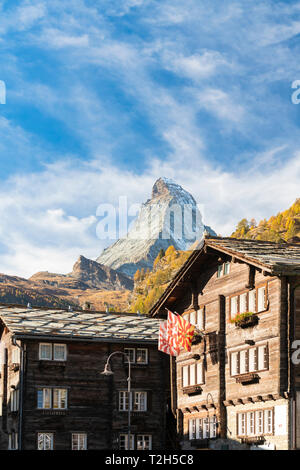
{"x": 64, "y": 402}
{"x": 239, "y": 386}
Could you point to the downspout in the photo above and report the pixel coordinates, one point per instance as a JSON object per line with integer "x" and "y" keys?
{"x": 22, "y": 370}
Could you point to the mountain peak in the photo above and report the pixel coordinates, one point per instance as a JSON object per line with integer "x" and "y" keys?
{"x": 162, "y": 186}
{"x": 170, "y": 217}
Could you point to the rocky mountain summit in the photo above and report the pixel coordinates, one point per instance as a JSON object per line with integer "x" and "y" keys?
{"x": 170, "y": 217}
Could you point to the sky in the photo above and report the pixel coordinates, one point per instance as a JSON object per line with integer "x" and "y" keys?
{"x": 104, "y": 97}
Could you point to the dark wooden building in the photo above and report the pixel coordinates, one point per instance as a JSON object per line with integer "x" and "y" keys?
{"x": 239, "y": 387}
{"x": 52, "y": 393}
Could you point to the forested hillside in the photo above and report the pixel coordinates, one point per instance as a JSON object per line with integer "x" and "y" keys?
{"x": 283, "y": 227}
{"x": 149, "y": 285}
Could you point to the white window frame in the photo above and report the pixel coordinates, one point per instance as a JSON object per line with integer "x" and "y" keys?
{"x": 255, "y": 423}
{"x": 13, "y": 441}
{"x": 261, "y": 307}
{"x": 202, "y": 428}
{"x": 59, "y": 392}
{"x": 79, "y": 441}
{"x": 140, "y": 401}
{"x": 195, "y": 370}
{"x": 259, "y": 363}
{"x": 144, "y": 350}
{"x": 143, "y": 439}
{"x": 135, "y": 400}
{"x": 44, "y": 436}
{"x": 61, "y": 345}
{"x": 40, "y": 349}
{"x": 123, "y": 441}
{"x": 129, "y": 351}
{"x": 44, "y": 391}
{"x": 14, "y": 400}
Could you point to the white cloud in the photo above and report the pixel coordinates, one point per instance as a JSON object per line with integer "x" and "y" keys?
{"x": 58, "y": 39}
{"x": 196, "y": 66}
{"x": 221, "y": 104}
{"x": 48, "y": 218}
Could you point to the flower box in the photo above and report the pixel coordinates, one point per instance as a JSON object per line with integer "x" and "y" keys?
{"x": 192, "y": 390}
{"x": 245, "y": 320}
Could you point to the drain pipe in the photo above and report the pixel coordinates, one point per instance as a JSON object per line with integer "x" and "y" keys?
{"x": 22, "y": 370}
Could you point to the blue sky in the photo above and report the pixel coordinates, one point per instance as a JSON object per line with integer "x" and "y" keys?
{"x": 104, "y": 97}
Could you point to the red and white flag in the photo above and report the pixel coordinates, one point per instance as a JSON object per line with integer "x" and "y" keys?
{"x": 163, "y": 343}
{"x": 173, "y": 333}
{"x": 167, "y": 341}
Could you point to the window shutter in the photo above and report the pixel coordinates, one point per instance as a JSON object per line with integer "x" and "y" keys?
{"x": 234, "y": 305}
{"x": 251, "y": 301}
{"x": 191, "y": 429}
{"x": 200, "y": 318}
{"x": 185, "y": 376}
{"x": 243, "y": 303}
{"x": 192, "y": 374}
{"x": 238, "y": 363}
{"x": 193, "y": 318}
{"x": 200, "y": 378}
{"x": 243, "y": 362}
{"x": 252, "y": 366}
{"x": 261, "y": 299}
{"x": 261, "y": 357}
{"x": 234, "y": 363}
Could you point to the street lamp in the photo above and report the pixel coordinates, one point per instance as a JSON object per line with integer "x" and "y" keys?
{"x": 107, "y": 371}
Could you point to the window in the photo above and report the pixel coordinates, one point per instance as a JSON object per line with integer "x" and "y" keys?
{"x": 123, "y": 442}
{"x": 234, "y": 307}
{"x": 136, "y": 355}
{"x": 142, "y": 356}
{"x": 144, "y": 442}
{"x": 250, "y": 360}
{"x": 131, "y": 354}
{"x": 196, "y": 318}
{"x": 226, "y": 268}
{"x": 13, "y": 441}
{"x": 243, "y": 302}
{"x": 223, "y": 269}
{"x": 44, "y": 400}
{"x": 55, "y": 352}
{"x": 254, "y": 423}
{"x": 203, "y": 428}
{"x": 192, "y": 374}
{"x": 268, "y": 424}
{"x": 138, "y": 401}
{"x": 59, "y": 398}
{"x": 59, "y": 352}
{"x": 14, "y": 400}
{"x": 45, "y": 441}
{"x": 79, "y": 441}
{"x": 261, "y": 299}
{"x": 52, "y": 398}
{"x": 259, "y": 422}
{"x": 254, "y": 301}
{"x": 45, "y": 351}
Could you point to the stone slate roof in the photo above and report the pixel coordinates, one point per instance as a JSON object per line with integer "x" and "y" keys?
{"x": 80, "y": 325}
{"x": 276, "y": 259}
{"x": 279, "y": 258}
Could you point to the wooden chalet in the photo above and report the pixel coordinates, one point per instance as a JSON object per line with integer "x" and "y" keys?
{"x": 52, "y": 393}
{"x": 239, "y": 387}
